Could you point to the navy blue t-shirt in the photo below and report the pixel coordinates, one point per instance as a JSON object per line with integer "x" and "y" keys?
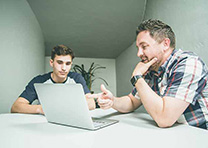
{"x": 30, "y": 94}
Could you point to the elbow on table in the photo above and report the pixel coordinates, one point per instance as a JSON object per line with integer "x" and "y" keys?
{"x": 13, "y": 110}
{"x": 124, "y": 111}
{"x": 164, "y": 123}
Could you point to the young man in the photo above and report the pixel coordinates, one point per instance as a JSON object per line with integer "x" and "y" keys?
{"x": 170, "y": 83}
{"x": 61, "y": 62}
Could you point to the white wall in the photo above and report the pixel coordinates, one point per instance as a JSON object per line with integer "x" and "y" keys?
{"x": 125, "y": 64}
{"x": 109, "y": 74}
{"x": 22, "y": 50}
{"x": 190, "y": 23}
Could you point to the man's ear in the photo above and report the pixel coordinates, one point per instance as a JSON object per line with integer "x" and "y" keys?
{"x": 51, "y": 62}
{"x": 166, "y": 44}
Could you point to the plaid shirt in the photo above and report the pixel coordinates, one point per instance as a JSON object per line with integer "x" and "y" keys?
{"x": 183, "y": 76}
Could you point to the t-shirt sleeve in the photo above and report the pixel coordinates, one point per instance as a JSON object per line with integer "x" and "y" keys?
{"x": 81, "y": 80}
{"x": 186, "y": 80}
{"x": 29, "y": 93}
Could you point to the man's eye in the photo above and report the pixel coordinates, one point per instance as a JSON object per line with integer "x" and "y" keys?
{"x": 68, "y": 63}
{"x": 59, "y": 62}
{"x": 144, "y": 47}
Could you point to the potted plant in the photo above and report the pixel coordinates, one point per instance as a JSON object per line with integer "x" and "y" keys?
{"x": 89, "y": 75}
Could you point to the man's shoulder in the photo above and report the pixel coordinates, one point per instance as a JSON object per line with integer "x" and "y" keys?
{"x": 73, "y": 74}
{"x": 78, "y": 78}
{"x": 181, "y": 59}
{"x": 181, "y": 54}
{"x": 41, "y": 78}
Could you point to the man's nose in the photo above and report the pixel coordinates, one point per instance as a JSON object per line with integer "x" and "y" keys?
{"x": 140, "y": 52}
{"x": 64, "y": 67}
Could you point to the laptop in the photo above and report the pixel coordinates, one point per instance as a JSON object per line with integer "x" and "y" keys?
{"x": 66, "y": 104}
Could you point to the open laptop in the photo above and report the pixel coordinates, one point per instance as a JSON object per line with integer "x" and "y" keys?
{"x": 66, "y": 104}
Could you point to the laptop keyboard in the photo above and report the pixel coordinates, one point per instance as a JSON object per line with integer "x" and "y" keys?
{"x": 100, "y": 123}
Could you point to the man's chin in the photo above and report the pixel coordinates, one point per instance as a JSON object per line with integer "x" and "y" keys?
{"x": 62, "y": 76}
{"x": 153, "y": 67}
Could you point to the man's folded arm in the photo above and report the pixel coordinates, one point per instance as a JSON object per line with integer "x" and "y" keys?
{"x": 22, "y": 105}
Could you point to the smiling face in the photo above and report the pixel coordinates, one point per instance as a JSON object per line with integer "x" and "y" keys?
{"x": 61, "y": 66}
{"x": 149, "y": 48}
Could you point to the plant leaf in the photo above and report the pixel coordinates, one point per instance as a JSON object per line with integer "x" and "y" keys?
{"x": 101, "y": 79}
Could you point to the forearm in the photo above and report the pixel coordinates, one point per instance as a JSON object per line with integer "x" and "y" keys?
{"x": 152, "y": 102}
{"x": 125, "y": 104}
{"x": 26, "y": 108}
{"x": 165, "y": 111}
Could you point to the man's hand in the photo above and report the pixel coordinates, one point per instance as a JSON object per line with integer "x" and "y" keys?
{"x": 105, "y": 98}
{"x": 40, "y": 110}
{"x": 90, "y": 101}
{"x": 142, "y": 68}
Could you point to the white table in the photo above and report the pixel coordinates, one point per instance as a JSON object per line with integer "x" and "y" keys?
{"x": 136, "y": 129}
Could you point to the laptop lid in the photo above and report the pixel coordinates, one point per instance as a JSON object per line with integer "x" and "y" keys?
{"x": 64, "y": 104}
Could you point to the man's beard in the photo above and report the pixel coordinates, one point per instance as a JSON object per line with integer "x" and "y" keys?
{"x": 154, "y": 67}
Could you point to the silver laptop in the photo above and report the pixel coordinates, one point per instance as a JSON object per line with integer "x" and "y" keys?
{"x": 66, "y": 104}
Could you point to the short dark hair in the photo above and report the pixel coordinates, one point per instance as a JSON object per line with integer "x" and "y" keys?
{"x": 61, "y": 50}
{"x": 158, "y": 31}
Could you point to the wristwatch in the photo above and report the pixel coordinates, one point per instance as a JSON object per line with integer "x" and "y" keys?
{"x": 135, "y": 78}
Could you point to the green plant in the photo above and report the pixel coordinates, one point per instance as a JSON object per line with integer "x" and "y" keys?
{"x": 89, "y": 75}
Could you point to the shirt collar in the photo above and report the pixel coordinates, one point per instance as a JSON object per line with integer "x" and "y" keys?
{"x": 165, "y": 65}
{"x": 56, "y": 82}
